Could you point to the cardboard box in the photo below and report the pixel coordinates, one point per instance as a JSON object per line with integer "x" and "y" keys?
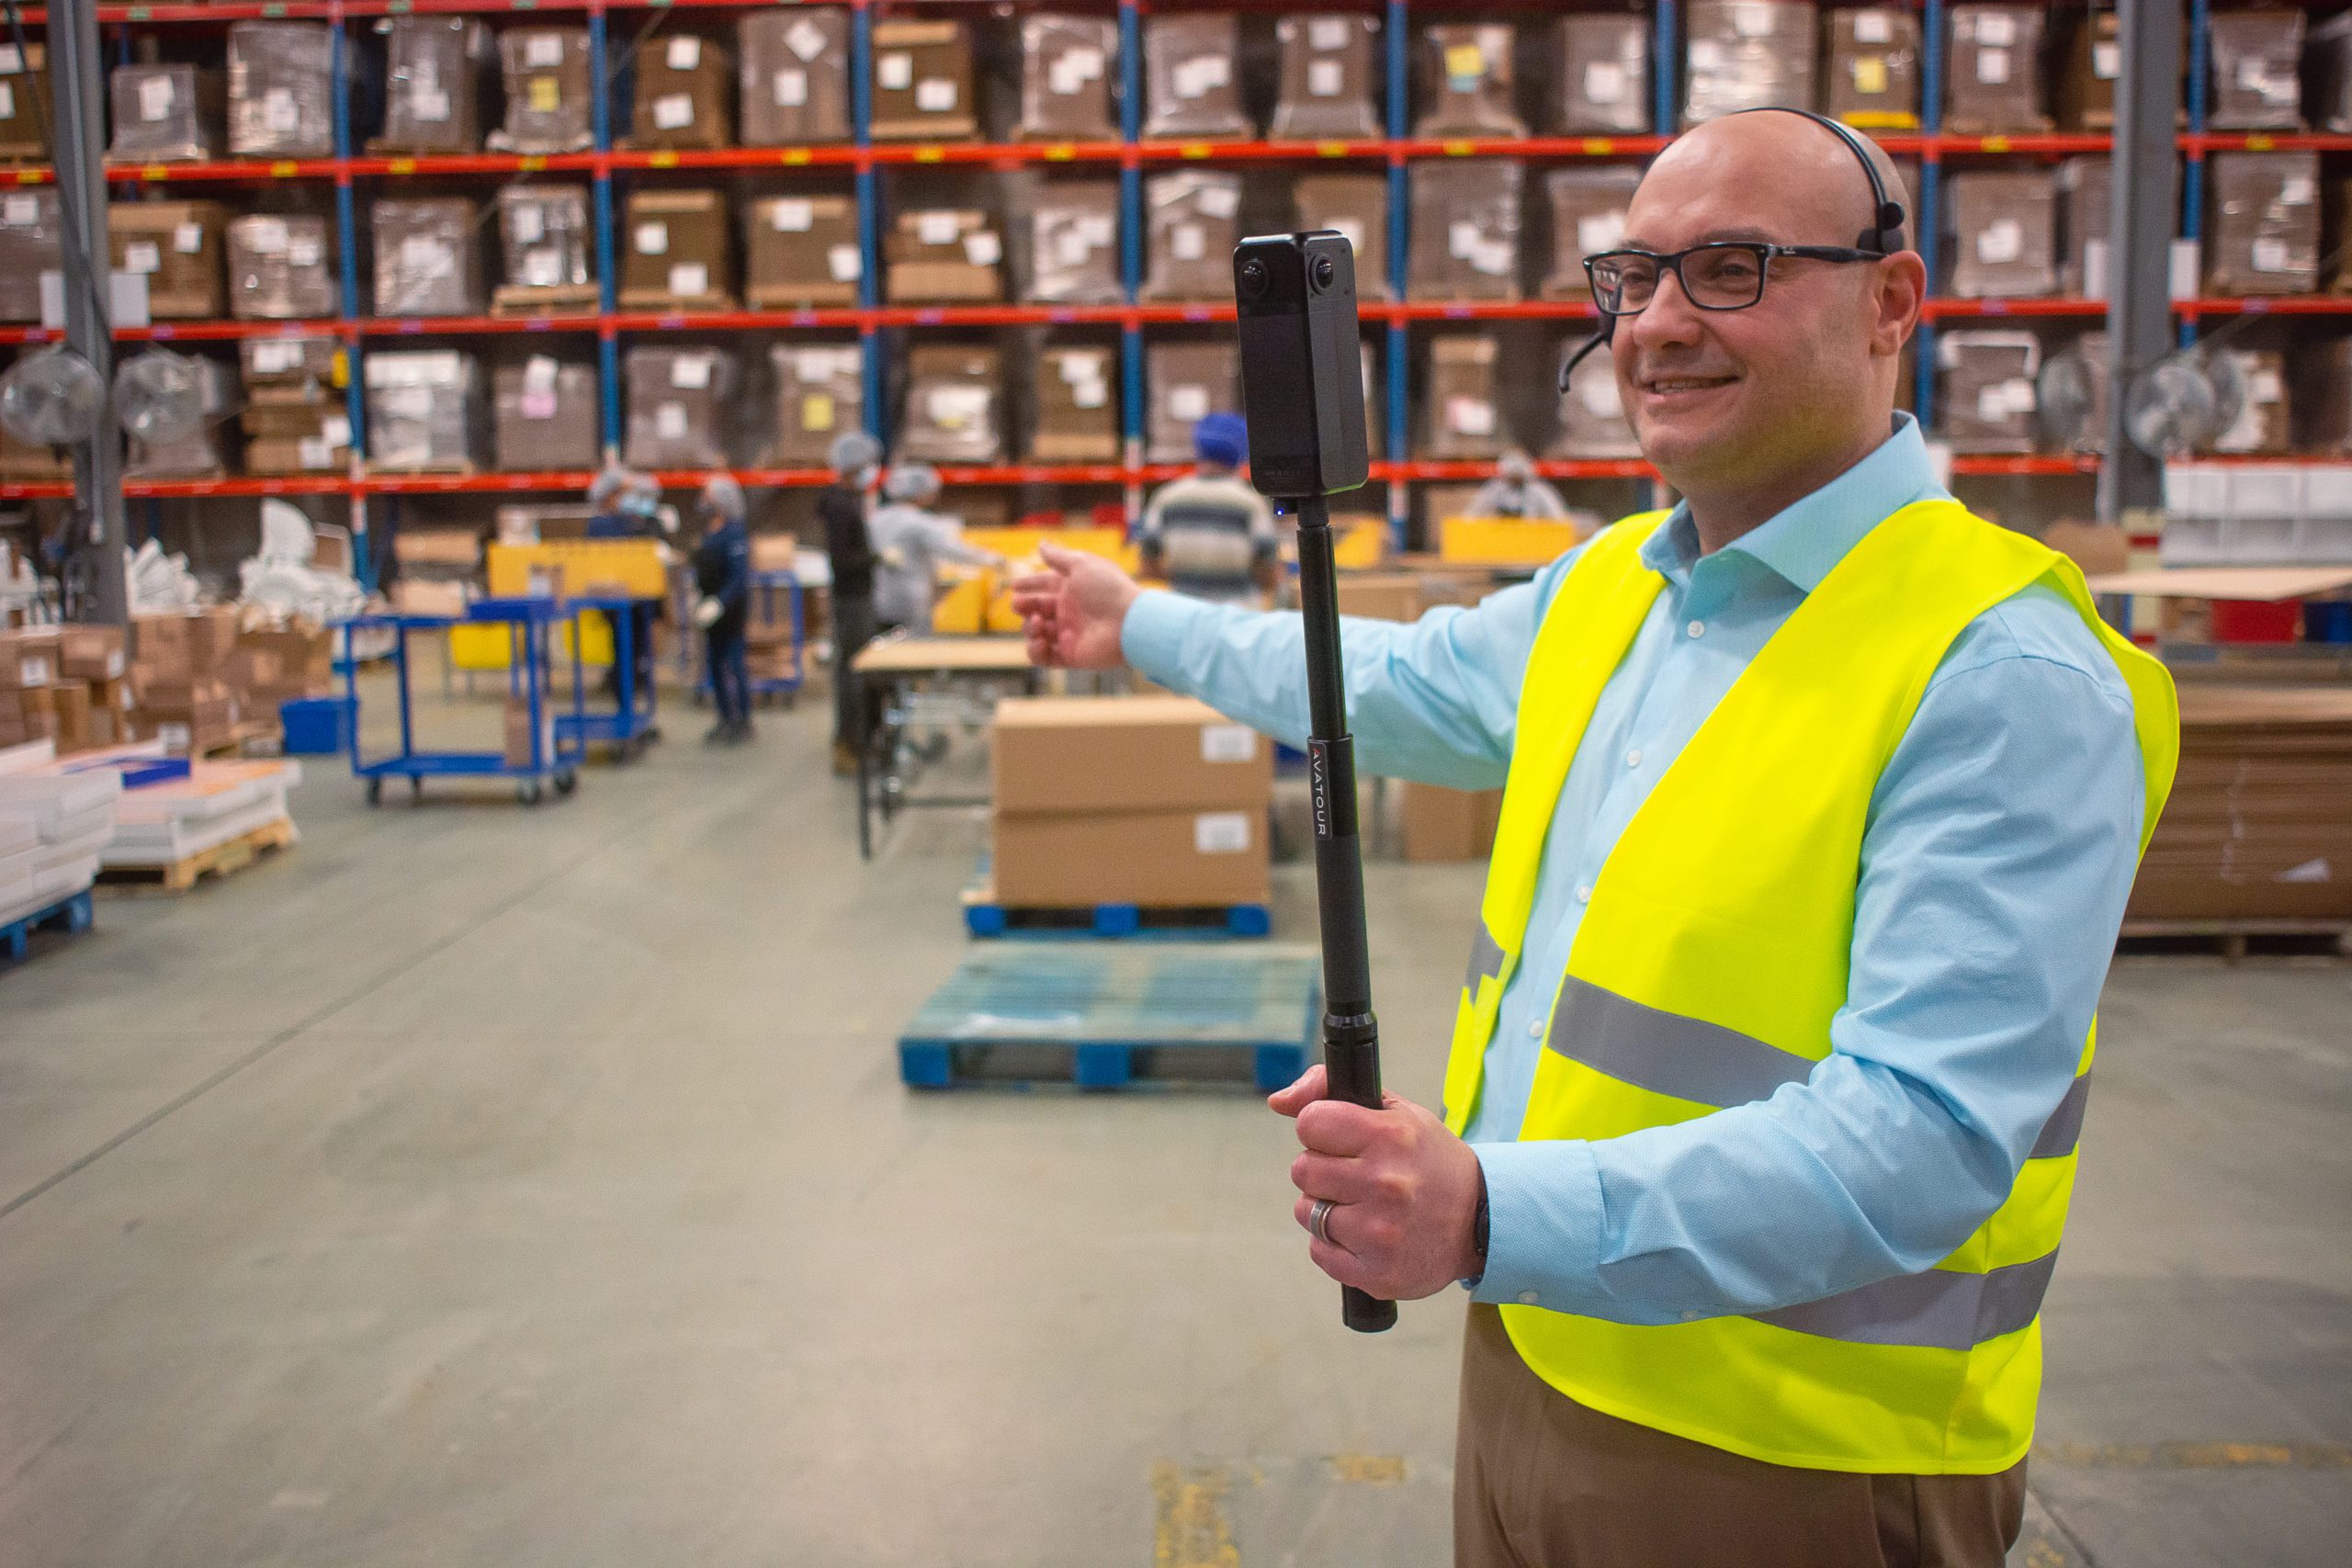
{"x": 795, "y": 85}
{"x": 163, "y": 114}
{"x": 1357, "y": 206}
{"x": 423, "y": 411}
{"x": 549, "y": 90}
{"x": 519, "y": 736}
{"x": 2085, "y": 86}
{"x": 432, "y": 85}
{"x": 28, "y": 659}
{"x": 955, "y": 409}
{"x": 2004, "y": 224}
{"x": 820, "y": 396}
{"x": 1067, "y": 64}
{"x": 1192, "y": 78}
{"x": 33, "y": 241}
{"x": 677, "y": 407}
{"x": 2324, "y": 397}
{"x": 291, "y": 369}
{"x": 1167, "y": 858}
{"x": 2257, "y": 81}
{"x": 1592, "y": 414}
{"x": 1185, "y": 383}
{"x": 70, "y": 700}
{"x": 544, "y": 415}
{"x": 675, "y": 252}
{"x": 281, "y": 90}
{"x": 280, "y": 268}
{"x": 1380, "y": 595}
{"x": 803, "y": 251}
{"x": 1449, "y": 824}
{"x": 2086, "y": 211}
{"x": 544, "y": 232}
{"x": 1604, "y": 75}
{"x": 1873, "y": 68}
{"x": 1074, "y": 243}
{"x": 176, "y": 647}
{"x": 2331, "y": 59}
{"x": 1191, "y": 221}
{"x": 1746, "y": 54}
{"x": 176, "y": 246}
{"x": 1077, "y": 410}
{"x": 1464, "y": 233}
{"x": 2262, "y": 227}
{"x": 427, "y": 260}
{"x": 1464, "y": 410}
{"x": 682, "y": 83}
{"x": 1330, "y": 64}
{"x": 1994, "y": 79}
{"x": 1588, "y": 207}
{"x": 24, "y": 88}
{"x": 1125, "y": 754}
{"x": 1989, "y": 396}
{"x": 90, "y": 653}
{"x": 922, "y": 82}
{"x": 945, "y": 255}
{"x": 1469, "y": 83}
{"x": 291, "y": 457}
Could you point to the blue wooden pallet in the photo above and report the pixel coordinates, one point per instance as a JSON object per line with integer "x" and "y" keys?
{"x": 984, "y": 917}
{"x": 1117, "y": 1017}
{"x": 72, "y": 914}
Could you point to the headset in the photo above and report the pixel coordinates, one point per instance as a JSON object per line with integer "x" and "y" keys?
{"x": 1884, "y": 237}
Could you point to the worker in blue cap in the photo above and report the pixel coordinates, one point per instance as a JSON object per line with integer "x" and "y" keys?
{"x": 1209, "y": 534}
{"x": 723, "y": 582}
{"x": 626, "y": 504}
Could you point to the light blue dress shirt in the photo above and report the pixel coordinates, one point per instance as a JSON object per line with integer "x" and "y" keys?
{"x": 2000, "y": 847}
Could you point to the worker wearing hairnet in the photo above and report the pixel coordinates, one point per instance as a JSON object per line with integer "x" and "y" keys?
{"x": 723, "y": 581}
{"x": 856, "y": 458}
{"x": 1515, "y": 492}
{"x": 626, "y": 504}
{"x": 910, "y": 540}
{"x": 1209, "y": 534}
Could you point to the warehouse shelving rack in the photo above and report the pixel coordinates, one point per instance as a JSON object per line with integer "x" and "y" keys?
{"x": 1131, "y": 156}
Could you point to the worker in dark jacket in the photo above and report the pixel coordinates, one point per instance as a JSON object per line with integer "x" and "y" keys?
{"x": 625, "y": 504}
{"x": 723, "y": 578}
{"x": 856, "y": 458}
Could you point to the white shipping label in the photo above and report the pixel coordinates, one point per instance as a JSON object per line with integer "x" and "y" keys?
{"x": 427, "y": 257}
{"x": 1706, "y": 54}
{"x": 653, "y": 239}
{"x": 428, "y": 104}
{"x": 1605, "y": 82}
{"x": 685, "y": 53}
{"x": 2316, "y": 870}
{"x": 528, "y": 222}
{"x": 1351, "y": 229}
{"x": 2298, "y": 190}
{"x": 1221, "y": 834}
{"x": 1220, "y": 200}
{"x": 1602, "y": 231}
{"x": 542, "y": 267}
{"x": 279, "y": 111}
{"x": 2000, "y": 241}
{"x": 813, "y": 364}
{"x": 143, "y": 256}
{"x": 935, "y": 95}
{"x": 669, "y": 421}
{"x": 1090, "y": 394}
{"x": 1599, "y": 395}
{"x": 2271, "y": 254}
{"x": 17, "y": 212}
{"x": 957, "y": 408}
{"x": 1325, "y": 34}
{"x": 1069, "y": 247}
{"x": 1461, "y": 239}
{"x": 1100, "y": 228}
{"x": 312, "y": 452}
{"x": 1324, "y": 78}
{"x": 1228, "y": 743}
{"x": 690, "y": 372}
{"x": 1188, "y": 403}
{"x": 304, "y": 250}
{"x": 792, "y": 215}
{"x": 11, "y": 62}
{"x": 7, "y": 101}
{"x": 936, "y": 227}
{"x": 1470, "y": 416}
{"x": 1217, "y": 71}
{"x": 1996, "y": 28}
{"x": 1186, "y": 80}
{"x": 154, "y": 97}
{"x": 1077, "y": 367}
{"x": 538, "y": 373}
{"x": 173, "y": 737}
{"x": 2094, "y": 269}
{"x": 844, "y": 262}
{"x": 537, "y": 402}
{"x": 1062, "y": 79}
{"x": 673, "y": 111}
{"x": 336, "y": 428}
{"x": 1874, "y": 27}
{"x": 543, "y": 49}
{"x": 1493, "y": 257}
{"x": 272, "y": 357}
{"x": 1085, "y": 63}
{"x": 983, "y": 248}
{"x": 895, "y": 73}
{"x": 1187, "y": 243}
{"x": 805, "y": 39}
{"x": 1992, "y": 404}
{"x": 791, "y": 88}
{"x": 2264, "y": 385}
{"x": 1751, "y": 18}
{"x": 187, "y": 239}
{"x": 1992, "y": 66}
{"x": 2107, "y": 59}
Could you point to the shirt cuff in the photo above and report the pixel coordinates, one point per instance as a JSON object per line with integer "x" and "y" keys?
{"x": 1152, "y": 636}
{"x": 1544, "y": 1221}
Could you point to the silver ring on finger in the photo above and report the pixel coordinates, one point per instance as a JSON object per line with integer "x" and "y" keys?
{"x": 1318, "y": 1221}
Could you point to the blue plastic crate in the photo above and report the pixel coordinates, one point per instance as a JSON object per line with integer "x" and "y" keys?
{"x": 318, "y": 727}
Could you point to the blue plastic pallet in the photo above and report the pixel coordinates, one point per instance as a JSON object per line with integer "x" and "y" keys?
{"x": 1117, "y": 1017}
{"x": 1101, "y": 921}
{"x": 73, "y": 914}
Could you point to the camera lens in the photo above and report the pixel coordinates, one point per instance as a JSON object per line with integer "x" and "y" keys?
{"x": 1253, "y": 278}
{"x": 1325, "y": 271}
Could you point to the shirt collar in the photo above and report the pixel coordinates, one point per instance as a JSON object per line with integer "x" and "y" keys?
{"x": 1802, "y": 542}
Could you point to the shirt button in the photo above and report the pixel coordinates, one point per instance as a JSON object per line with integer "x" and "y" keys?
{"x": 1697, "y": 628}
{"x": 1536, "y": 1030}
{"x": 1584, "y": 895}
{"x": 1527, "y": 1298}
{"x": 1634, "y": 758}
{"x": 1689, "y": 1317}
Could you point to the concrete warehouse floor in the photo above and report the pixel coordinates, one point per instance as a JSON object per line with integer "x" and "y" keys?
{"x": 484, "y": 1186}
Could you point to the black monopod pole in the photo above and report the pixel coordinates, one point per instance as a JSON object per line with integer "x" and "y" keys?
{"x": 1350, "y": 1034}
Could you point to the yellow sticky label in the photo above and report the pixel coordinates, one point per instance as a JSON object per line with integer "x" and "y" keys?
{"x": 283, "y": 169}
{"x": 1996, "y": 144}
{"x": 2260, "y": 143}
{"x": 404, "y": 165}
{"x": 1060, "y": 152}
{"x": 1194, "y": 150}
{"x": 154, "y": 172}
{"x": 1330, "y": 149}
{"x": 339, "y": 368}
{"x": 546, "y": 96}
{"x": 1458, "y": 148}
{"x": 816, "y": 411}
{"x": 663, "y": 161}
{"x": 28, "y": 176}
{"x": 533, "y": 163}
{"x": 1466, "y": 59}
{"x": 1599, "y": 146}
{"x": 796, "y": 155}
{"x": 1870, "y": 74}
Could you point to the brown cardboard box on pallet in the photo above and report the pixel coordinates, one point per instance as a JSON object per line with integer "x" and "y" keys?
{"x": 1078, "y": 413}
{"x": 1443, "y": 824}
{"x": 803, "y": 251}
{"x": 795, "y": 85}
{"x": 27, "y": 659}
{"x": 1191, "y": 225}
{"x": 1873, "y": 68}
{"x": 955, "y": 410}
{"x": 1357, "y": 206}
{"x": 945, "y": 255}
{"x": 549, "y": 90}
{"x": 432, "y": 85}
{"x": 1464, "y": 409}
{"x": 325, "y": 451}
{"x": 1074, "y": 243}
{"x": 180, "y": 647}
{"x": 291, "y": 369}
{"x": 70, "y": 701}
{"x": 1604, "y": 83}
{"x": 1068, "y": 65}
{"x": 281, "y": 90}
{"x": 175, "y": 245}
{"x": 2262, "y": 226}
{"x": 1331, "y": 63}
{"x": 1745, "y": 54}
{"x": 163, "y": 114}
{"x": 922, "y": 82}
{"x": 2257, "y": 70}
{"x": 427, "y": 260}
{"x": 1994, "y": 80}
{"x": 821, "y": 397}
{"x": 2004, "y": 224}
{"x": 1469, "y": 83}
{"x": 675, "y": 252}
{"x": 2085, "y": 85}
{"x": 1191, "y": 85}
{"x": 682, "y": 85}
{"x": 1186, "y": 382}
{"x": 2086, "y": 211}
{"x": 676, "y": 411}
{"x": 546, "y": 237}
{"x": 280, "y": 267}
{"x": 1465, "y": 230}
{"x": 1988, "y": 397}
{"x": 90, "y": 653}
{"x": 544, "y": 415}
{"x": 1588, "y": 207}
{"x": 24, "y": 89}
{"x": 33, "y": 241}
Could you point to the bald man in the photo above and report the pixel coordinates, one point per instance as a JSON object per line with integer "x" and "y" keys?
{"x": 1823, "y": 798}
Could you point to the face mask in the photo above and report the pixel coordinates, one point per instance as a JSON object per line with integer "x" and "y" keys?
{"x": 638, "y": 505}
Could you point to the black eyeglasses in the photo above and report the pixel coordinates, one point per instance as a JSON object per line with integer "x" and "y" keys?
{"x": 1727, "y": 276}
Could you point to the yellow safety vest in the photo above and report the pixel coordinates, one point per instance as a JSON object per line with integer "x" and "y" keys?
{"x": 1714, "y": 952}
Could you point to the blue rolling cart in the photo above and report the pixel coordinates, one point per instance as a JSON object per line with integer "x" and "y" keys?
{"x": 554, "y": 760}
{"x": 630, "y": 727}
{"x": 765, "y": 588}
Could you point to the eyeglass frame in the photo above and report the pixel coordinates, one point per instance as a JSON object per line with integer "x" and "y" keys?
{"x": 1764, "y": 251}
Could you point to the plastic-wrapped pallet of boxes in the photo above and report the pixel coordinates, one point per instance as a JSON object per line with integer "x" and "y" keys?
{"x": 33, "y": 241}
{"x": 945, "y": 255}
{"x": 1074, "y": 243}
{"x": 2264, "y": 425}
{"x": 1746, "y": 54}
{"x": 175, "y": 245}
{"x": 1994, "y": 83}
{"x": 2004, "y": 226}
{"x": 676, "y": 251}
{"x": 548, "y": 90}
{"x": 820, "y": 396}
{"x": 424, "y": 410}
{"x": 794, "y": 86}
{"x": 1464, "y": 419}
{"x": 1154, "y": 801}
{"x": 1328, "y": 66}
{"x": 24, "y": 92}
{"x": 2262, "y": 230}
{"x": 682, "y": 84}
{"x": 295, "y": 418}
{"x": 54, "y": 825}
{"x": 1067, "y": 65}
{"x": 544, "y": 234}
{"x": 544, "y": 415}
{"x": 1465, "y": 230}
{"x": 1604, "y": 75}
{"x": 955, "y": 410}
{"x": 281, "y": 90}
{"x": 2331, "y": 59}
{"x": 678, "y": 400}
{"x": 1873, "y": 68}
{"x": 2257, "y": 70}
{"x": 280, "y": 268}
{"x": 1987, "y": 401}
{"x": 1469, "y": 81}
{"x": 2086, "y": 362}
{"x": 922, "y": 82}
{"x": 432, "y": 85}
{"x": 2085, "y": 83}
{"x": 2086, "y": 211}
{"x": 1588, "y": 207}
{"x": 163, "y": 114}
{"x": 1186, "y": 383}
{"x": 1191, "y": 88}
{"x": 1191, "y": 221}
{"x": 1357, "y": 206}
{"x": 427, "y": 262}
{"x": 1076, "y": 414}
{"x": 803, "y": 251}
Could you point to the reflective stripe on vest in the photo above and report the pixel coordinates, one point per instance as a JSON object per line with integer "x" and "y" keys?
{"x": 1710, "y": 959}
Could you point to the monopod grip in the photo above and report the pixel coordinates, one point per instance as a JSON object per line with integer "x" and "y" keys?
{"x": 1351, "y": 1061}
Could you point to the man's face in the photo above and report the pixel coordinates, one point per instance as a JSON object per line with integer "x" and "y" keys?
{"x": 1721, "y": 398}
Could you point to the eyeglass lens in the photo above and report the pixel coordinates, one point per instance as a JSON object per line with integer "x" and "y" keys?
{"x": 1716, "y": 277}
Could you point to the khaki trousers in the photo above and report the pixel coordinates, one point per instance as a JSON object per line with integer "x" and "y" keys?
{"x": 1543, "y": 1482}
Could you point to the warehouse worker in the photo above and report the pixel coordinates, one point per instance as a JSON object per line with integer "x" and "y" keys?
{"x": 841, "y": 507}
{"x": 626, "y": 504}
{"x": 1824, "y": 800}
{"x": 909, "y": 541}
{"x": 1209, "y": 534}
{"x": 723, "y": 578}
{"x": 1515, "y": 492}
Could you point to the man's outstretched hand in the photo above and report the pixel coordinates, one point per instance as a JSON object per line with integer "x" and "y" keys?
{"x": 1073, "y": 610}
